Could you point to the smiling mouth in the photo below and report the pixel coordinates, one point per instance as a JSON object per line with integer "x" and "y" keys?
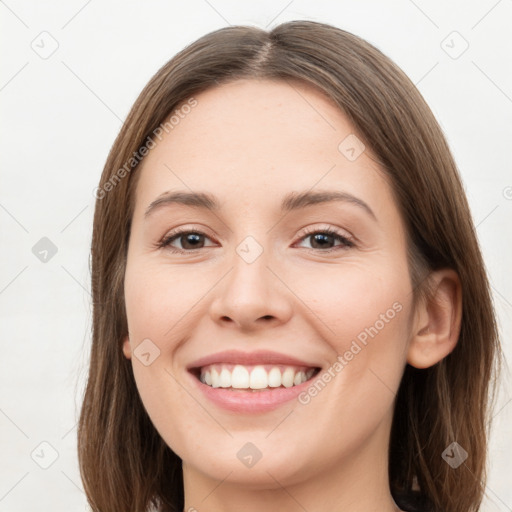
{"x": 253, "y": 378}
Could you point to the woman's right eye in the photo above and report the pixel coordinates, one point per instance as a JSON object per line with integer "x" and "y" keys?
{"x": 189, "y": 241}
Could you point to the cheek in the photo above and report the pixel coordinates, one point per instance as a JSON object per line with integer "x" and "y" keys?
{"x": 162, "y": 305}
{"x": 162, "y": 301}
{"x": 363, "y": 314}
{"x": 350, "y": 297}
{"x": 155, "y": 302}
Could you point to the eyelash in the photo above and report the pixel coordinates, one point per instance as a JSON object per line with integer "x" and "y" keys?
{"x": 345, "y": 241}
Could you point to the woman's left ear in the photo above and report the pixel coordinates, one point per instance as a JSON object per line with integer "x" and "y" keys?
{"x": 437, "y": 322}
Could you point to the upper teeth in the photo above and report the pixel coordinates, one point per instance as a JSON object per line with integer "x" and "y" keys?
{"x": 253, "y": 377}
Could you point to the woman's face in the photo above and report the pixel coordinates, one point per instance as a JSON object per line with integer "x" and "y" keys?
{"x": 259, "y": 276}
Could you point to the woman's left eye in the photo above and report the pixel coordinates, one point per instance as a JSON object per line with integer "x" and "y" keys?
{"x": 324, "y": 237}
{"x": 193, "y": 240}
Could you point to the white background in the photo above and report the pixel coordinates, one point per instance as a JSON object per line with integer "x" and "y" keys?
{"x": 60, "y": 116}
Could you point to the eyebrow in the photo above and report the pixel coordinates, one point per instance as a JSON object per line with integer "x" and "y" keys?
{"x": 292, "y": 201}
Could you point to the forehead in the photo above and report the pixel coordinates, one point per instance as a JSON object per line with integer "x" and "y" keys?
{"x": 260, "y": 138}
{"x": 247, "y": 116}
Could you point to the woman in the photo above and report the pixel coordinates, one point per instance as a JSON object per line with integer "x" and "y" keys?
{"x": 291, "y": 310}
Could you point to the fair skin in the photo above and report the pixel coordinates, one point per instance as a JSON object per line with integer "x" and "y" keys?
{"x": 250, "y": 143}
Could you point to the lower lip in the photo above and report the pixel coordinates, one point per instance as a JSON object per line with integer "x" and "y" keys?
{"x": 249, "y": 401}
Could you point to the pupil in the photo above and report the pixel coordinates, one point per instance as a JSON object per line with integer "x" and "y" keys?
{"x": 322, "y": 238}
{"x": 192, "y": 237}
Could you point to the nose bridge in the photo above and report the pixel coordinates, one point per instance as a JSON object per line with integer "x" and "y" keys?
{"x": 249, "y": 278}
{"x": 251, "y": 291}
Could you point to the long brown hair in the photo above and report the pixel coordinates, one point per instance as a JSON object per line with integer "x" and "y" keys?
{"x": 125, "y": 465}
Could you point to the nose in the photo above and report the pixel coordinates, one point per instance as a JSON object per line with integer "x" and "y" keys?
{"x": 251, "y": 296}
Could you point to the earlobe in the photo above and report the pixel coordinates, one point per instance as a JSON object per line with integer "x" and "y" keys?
{"x": 127, "y": 348}
{"x": 438, "y": 318}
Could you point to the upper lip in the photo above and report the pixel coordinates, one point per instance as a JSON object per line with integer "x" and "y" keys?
{"x": 249, "y": 358}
